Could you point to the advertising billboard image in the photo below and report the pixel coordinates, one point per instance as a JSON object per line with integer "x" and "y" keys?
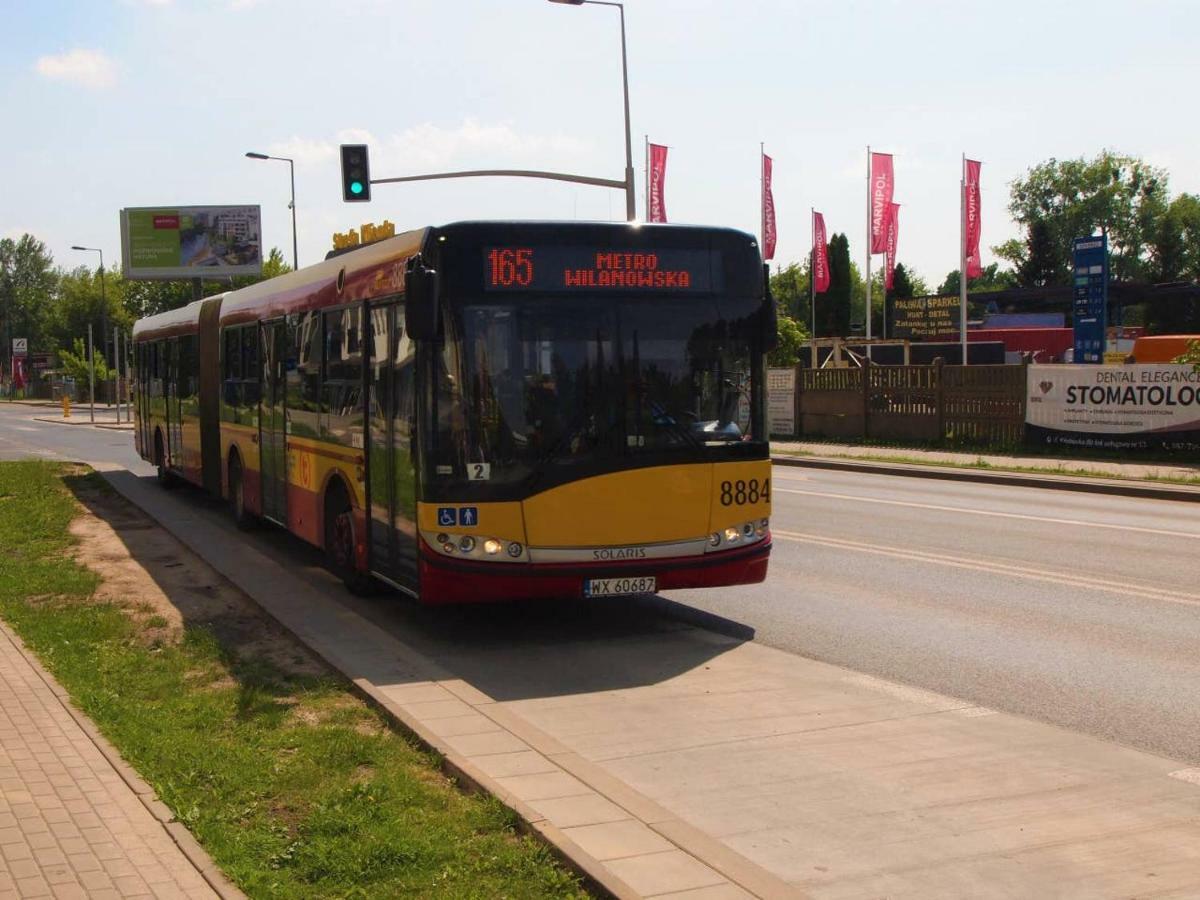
{"x": 180, "y": 242}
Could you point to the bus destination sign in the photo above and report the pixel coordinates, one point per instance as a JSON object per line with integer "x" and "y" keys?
{"x": 554, "y": 268}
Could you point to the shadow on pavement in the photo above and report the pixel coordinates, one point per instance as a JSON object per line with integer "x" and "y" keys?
{"x": 509, "y": 651}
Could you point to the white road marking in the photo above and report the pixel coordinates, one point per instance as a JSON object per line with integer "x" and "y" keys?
{"x": 1163, "y": 595}
{"x": 984, "y": 512}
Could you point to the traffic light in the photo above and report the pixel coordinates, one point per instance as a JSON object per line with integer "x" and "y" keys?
{"x": 356, "y": 173}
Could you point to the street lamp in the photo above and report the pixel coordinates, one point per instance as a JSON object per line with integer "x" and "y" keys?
{"x": 630, "y": 204}
{"x": 103, "y": 301}
{"x": 292, "y": 205}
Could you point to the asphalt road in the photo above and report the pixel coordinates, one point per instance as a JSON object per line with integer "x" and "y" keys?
{"x": 1076, "y": 609}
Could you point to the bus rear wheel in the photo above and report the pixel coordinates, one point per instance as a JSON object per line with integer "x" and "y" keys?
{"x": 341, "y": 540}
{"x": 237, "y": 495}
{"x": 164, "y": 476}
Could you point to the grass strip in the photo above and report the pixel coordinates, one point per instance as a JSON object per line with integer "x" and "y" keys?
{"x": 293, "y": 785}
{"x": 1065, "y": 467}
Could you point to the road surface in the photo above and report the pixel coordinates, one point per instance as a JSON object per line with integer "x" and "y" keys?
{"x": 1076, "y": 609}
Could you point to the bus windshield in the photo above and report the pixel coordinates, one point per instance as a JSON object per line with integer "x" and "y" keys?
{"x": 594, "y": 383}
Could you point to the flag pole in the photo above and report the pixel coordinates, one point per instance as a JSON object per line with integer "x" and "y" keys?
{"x": 762, "y": 195}
{"x": 868, "y": 251}
{"x": 646, "y": 177}
{"x": 962, "y": 256}
{"x": 812, "y": 269}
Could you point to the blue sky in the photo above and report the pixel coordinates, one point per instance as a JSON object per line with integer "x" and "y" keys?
{"x": 113, "y": 103}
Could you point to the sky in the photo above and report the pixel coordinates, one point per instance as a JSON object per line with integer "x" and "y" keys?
{"x": 108, "y": 104}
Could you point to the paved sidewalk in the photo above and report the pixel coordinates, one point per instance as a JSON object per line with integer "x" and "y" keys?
{"x": 71, "y": 823}
{"x": 683, "y": 763}
{"x": 1055, "y": 465}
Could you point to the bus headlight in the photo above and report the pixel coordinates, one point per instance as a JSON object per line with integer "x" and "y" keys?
{"x": 515, "y": 550}
{"x": 732, "y": 535}
{"x": 466, "y": 543}
{"x": 492, "y": 546}
{"x": 714, "y": 539}
{"x": 748, "y": 529}
{"x": 761, "y": 528}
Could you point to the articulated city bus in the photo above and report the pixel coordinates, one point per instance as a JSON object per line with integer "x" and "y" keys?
{"x": 486, "y": 411}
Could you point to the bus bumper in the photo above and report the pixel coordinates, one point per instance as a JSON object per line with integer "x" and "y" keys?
{"x": 454, "y": 581}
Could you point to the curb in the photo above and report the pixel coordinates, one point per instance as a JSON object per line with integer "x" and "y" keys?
{"x": 195, "y": 854}
{"x": 1116, "y": 487}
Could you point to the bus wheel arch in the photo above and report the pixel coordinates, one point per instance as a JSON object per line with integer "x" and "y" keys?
{"x": 341, "y": 535}
{"x": 163, "y": 473}
{"x": 235, "y": 474}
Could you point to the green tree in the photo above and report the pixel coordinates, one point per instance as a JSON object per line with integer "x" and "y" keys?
{"x": 992, "y": 279}
{"x": 833, "y": 307}
{"x": 1175, "y": 253}
{"x": 74, "y": 363}
{"x": 1039, "y": 260}
{"x": 79, "y": 301}
{"x": 789, "y": 287}
{"x": 1192, "y": 357}
{"x": 1119, "y": 196}
{"x": 27, "y": 280}
{"x": 792, "y": 335}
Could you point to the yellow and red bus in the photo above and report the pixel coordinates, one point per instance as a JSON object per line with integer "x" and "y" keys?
{"x": 486, "y": 411}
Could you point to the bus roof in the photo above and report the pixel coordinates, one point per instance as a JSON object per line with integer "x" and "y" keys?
{"x": 173, "y": 322}
{"x": 367, "y": 271}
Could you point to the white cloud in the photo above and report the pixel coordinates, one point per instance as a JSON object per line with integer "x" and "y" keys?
{"x": 87, "y": 68}
{"x": 304, "y": 151}
{"x": 429, "y": 146}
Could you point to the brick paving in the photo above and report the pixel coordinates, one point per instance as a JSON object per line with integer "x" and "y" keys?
{"x": 70, "y": 824}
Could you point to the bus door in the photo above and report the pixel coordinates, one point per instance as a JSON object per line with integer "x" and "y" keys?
{"x": 142, "y": 387}
{"x": 172, "y": 385}
{"x": 390, "y": 397}
{"x": 272, "y": 416}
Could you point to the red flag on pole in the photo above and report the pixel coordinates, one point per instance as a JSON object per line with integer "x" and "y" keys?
{"x": 893, "y": 237}
{"x": 657, "y": 211}
{"x": 768, "y": 211}
{"x": 820, "y": 264}
{"x": 883, "y": 187}
{"x": 974, "y": 222}
{"x": 18, "y": 372}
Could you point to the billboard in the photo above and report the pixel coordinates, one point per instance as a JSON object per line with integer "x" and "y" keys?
{"x": 169, "y": 243}
{"x": 925, "y": 317}
{"x": 1147, "y": 407}
{"x": 781, "y": 401}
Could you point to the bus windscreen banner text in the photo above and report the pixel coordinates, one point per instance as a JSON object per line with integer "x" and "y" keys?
{"x": 565, "y": 269}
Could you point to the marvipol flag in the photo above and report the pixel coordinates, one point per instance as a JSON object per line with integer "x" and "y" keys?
{"x": 820, "y": 263}
{"x": 974, "y": 223}
{"x": 768, "y": 211}
{"x": 658, "y": 179}
{"x": 893, "y": 237}
{"x": 882, "y": 189}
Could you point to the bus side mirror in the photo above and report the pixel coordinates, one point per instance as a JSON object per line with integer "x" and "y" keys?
{"x": 770, "y": 316}
{"x": 421, "y": 303}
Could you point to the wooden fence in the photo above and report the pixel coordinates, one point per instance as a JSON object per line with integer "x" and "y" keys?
{"x": 982, "y": 405}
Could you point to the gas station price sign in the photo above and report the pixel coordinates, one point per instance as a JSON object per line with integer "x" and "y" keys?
{"x": 1089, "y": 301}
{"x": 559, "y": 269}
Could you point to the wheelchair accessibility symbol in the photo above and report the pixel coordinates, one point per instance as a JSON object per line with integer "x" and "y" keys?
{"x": 447, "y": 516}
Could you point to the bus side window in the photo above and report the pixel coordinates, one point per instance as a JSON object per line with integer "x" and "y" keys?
{"x": 232, "y": 368}
{"x": 250, "y": 368}
{"x": 341, "y": 399}
{"x": 304, "y": 388}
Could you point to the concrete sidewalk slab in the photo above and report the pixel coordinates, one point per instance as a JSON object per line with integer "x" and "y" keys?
{"x": 75, "y": 821}
{"x": 717, "y": 767}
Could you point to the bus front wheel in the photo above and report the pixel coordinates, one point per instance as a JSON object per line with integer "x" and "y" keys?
{"x": 340, "y": 541}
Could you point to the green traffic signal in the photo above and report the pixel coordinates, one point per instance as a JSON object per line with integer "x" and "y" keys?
{"x": 356, "y": 173}
{"x": 356, "y": 187}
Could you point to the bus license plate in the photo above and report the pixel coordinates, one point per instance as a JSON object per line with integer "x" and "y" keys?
{"x": 618, "y": 587}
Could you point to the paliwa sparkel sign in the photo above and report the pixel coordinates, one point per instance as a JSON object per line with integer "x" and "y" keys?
{"x": 1114, "y": 407}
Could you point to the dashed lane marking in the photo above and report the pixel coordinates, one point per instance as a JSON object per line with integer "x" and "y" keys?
{"x": 994, "y": 568}
{"x": 991, "y": 513}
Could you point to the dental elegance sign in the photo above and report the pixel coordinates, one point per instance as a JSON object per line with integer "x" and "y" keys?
{"x": 1120, "y": 407}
